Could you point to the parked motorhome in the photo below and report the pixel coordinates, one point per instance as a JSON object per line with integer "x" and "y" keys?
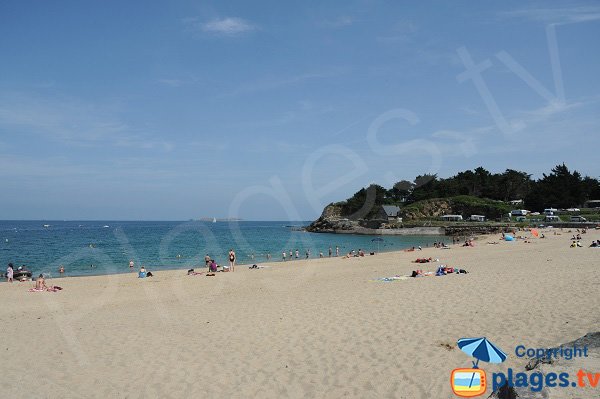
{"x": 518, "y": 212}
{"x": 452, "y": 218}
{"x": 477, "y": 218}
{"x": 578, "y": 219}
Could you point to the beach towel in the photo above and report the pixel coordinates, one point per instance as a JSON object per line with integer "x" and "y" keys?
{"x": 53, "y": 288}
{"x": 393, "y": 278}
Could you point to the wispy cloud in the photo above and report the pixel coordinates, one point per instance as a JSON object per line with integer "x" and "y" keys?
{"x": 401, "y": 32}
{"x": 228, "y": 26}
{"x": 273, "y": 83}
{"x": 338, "y": 22}
{"x": 566, "y": 15}
{"x": 72, "y": 122}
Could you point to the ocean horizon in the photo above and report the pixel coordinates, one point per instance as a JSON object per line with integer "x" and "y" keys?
{"x": 96, "y": 247}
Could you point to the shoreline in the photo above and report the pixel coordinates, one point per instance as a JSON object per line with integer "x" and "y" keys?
{"x": 126, "y": 270}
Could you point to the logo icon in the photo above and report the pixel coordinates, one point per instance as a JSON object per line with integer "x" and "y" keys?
{"x": 468, "y": 382}
{"x": 471, "y": 382}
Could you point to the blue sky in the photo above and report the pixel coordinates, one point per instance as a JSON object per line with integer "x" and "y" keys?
{"x": 268, "y": 110}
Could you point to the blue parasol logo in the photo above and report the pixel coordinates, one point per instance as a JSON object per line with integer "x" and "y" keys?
{"x": 472, "y": 381}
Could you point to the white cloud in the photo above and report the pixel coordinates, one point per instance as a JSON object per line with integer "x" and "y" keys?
{"x": 229, "y": 26}
{"x": 338, "y": 22}
{"x": 72, "y": 122}
{"x": 571, "y": 15}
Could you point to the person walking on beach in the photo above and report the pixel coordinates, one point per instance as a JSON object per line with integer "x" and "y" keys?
{"x": 232, "y": 260}
{"x": 10, "y": 273}
{"x": 330, "y": 252}
{"x": 337, "y": 251}
{"x": 297, "y": 254}
{"x": 291, "y": 255}
{"x": 283, "y": 255}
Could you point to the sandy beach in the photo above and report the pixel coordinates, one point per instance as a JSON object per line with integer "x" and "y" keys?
{"x": 324, "y": 328}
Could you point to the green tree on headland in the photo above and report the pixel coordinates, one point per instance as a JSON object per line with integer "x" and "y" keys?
{"x": 560, "y": 189}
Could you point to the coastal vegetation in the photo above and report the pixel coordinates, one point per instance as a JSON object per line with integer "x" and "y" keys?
{"x": 475, "y": 191}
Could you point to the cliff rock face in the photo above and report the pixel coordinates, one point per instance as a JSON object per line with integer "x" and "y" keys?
{"x": 331, "y": 220}
{"x": 332, "y": 212}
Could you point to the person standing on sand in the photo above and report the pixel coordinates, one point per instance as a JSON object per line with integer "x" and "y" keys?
{"x": 330, "y": 252}
{"x": 283, "y": 255}
{"x": 232, "y": 260}
{"x": 337, "y": 251}
{"x": 10, "y": 273}
{"x": 131, "y": 264}
{"x": 207, "y": 260}
{"x": 297, "y": 254}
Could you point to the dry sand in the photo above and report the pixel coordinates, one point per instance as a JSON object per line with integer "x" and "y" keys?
{"x": 322, "y": 328}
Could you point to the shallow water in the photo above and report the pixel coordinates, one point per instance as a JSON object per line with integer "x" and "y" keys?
{"x": 90, "y": 248}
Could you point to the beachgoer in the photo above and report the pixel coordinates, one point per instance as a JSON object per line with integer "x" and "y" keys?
{"x": 213, "y": 266}
{"x": 283, "y": 254}
{"x": 231, "y": 260}
{"x": 268, "y": 256}
{"x": 61, "y": 269}
{"x": 297, "y": 254}
{"x": 207, "y": 259}
{"x": 10, "y": 273}
{"x": 330, "y": 251}
{"x": 291, "y": 255}
{"x": 320, "y": 254}
{"x": 142, "y": 272}
{"x": 131, "y": 264}
{"x": 337, "y": 251}
{"x": 40, "y": 283}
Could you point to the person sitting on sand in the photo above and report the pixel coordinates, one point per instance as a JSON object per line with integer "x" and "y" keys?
{"x": 40, "y": 283}
{"x": 142, "y": 272}
{"x": 212, "y": 267}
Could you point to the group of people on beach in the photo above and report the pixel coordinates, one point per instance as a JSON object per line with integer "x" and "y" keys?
{"x": 296, "y": 254}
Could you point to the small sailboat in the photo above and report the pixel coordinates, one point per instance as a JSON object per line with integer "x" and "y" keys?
{"x": 106, "y": 226}
{"x": 214, "y": 220}
{"x": 46, "y": 225}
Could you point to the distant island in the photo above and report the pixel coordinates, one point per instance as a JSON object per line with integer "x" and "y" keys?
{"x": 206, "y": 219}
{"x": 473, "y": 201}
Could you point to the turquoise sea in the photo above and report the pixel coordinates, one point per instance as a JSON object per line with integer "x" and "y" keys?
{"x": 101, "y": 247}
